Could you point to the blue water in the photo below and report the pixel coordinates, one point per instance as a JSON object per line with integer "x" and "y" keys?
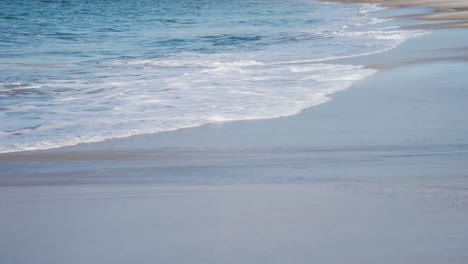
{"x": 83, "y": 71}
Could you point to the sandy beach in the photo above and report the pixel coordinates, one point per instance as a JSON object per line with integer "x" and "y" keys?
{"x": 379, "y": 174}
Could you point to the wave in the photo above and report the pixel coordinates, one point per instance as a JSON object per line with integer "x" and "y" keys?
{"x": 102, "y": 99}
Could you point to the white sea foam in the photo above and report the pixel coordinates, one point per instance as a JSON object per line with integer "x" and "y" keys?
{"x": 192, "y": 97}
{"x": 370, "y": 8}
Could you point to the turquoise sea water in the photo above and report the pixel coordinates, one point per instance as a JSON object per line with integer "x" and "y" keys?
{"x": 83, "y": 71}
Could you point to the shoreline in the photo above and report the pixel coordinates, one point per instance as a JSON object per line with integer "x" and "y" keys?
{"x": 376, "y": 175}
{"x": 372, "y": 61}
{"x": 353, "y": 123}
{"x": 360, "y": 132}
{"x": 329, "y": 97}
{"x": 454, "y": 5}
{"x": 72, "y": 144}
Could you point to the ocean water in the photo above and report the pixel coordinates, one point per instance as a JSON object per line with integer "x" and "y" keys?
{"x": 76, "y": 71}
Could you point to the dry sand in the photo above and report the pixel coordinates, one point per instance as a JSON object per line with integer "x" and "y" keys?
{"x": 436, "y": 4}
{"x": 458, "y": 15}
{"x": 443, "y": 10}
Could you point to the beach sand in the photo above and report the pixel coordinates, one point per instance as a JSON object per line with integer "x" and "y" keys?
{"x": 377, "y": 175}
{"x": 442, "y": 10}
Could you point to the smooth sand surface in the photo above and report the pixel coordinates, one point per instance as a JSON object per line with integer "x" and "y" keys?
{"x": 377, "y": 175}
{"x": 227, "y": 224}
{"x": 457, "y": 15}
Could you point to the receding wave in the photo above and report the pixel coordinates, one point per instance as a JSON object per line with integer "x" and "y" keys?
{"x": 124, "y": 105}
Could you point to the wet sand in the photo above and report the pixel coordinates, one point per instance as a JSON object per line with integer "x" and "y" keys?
{"x": 228, "y": 224}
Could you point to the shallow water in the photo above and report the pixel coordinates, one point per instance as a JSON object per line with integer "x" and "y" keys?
{"x": 79, "y": 71}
